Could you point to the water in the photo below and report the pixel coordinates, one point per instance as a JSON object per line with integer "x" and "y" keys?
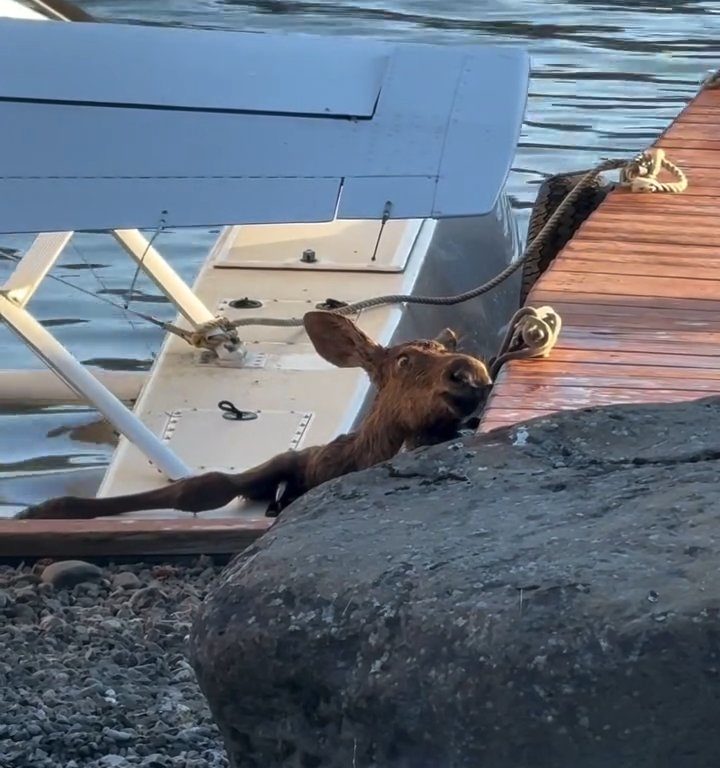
{"x": 607, "y": 78}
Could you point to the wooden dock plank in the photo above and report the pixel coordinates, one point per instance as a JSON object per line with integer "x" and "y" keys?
{"x": 646, "y": 358}
{"x": 638, "y": 290}
{"x": 639, "y": 267}
{"x": 130, "y": 536}
{"x": 611, "y": 285}
{"x": 624, "y": 299}
{"x": 556, "y": 398}
{"x": 547, "y": 369}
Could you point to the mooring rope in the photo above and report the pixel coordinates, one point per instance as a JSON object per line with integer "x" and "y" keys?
{"x": 639, "y": 175}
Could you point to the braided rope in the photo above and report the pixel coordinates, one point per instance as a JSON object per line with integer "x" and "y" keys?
{"x": 639, "y": 174}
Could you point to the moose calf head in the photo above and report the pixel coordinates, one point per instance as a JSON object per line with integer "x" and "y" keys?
{"x": 425, "y": 388}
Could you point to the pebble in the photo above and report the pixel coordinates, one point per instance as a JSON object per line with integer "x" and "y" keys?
{"x": 126, "y": 580}
{"x": 146, "y": 597}
{"x": 23, "y": 614}
{"x": 69, "y": 573}
{"x": 113, "y": 761}
{"x": 93, "y": 664}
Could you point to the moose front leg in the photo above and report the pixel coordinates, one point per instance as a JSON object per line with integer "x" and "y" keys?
{"x": 192, "y": 494}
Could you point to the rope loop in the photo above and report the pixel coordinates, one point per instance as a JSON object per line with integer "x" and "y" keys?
{"x": 209, "y": 335}
{"x": 531, "y": 332}
{"x": 642, "y": 172}
{"x": 213, "y": 333}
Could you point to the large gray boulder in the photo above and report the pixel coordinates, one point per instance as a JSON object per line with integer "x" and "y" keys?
{"x": 543, "y": 597}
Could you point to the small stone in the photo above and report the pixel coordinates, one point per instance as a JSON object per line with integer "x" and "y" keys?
{"x": 113, "y": 625}
{"x": 145, "y": 597}
{"x": 26, "y": 594}
{"x": 156, "y": 761}
{"x": 86, "y": 589}
{"x": 126, "y": 580}
{"x": 90, "y": 682}
{"x": 25, "y": 579}
{"x": 119, "y": 736}
{"x": 51, "y": 624}
{"x": 113, "y": 761}
{"x": 40, "y": 566}
{"x": 23, "y": 614}
{"x": 68, "y": 573}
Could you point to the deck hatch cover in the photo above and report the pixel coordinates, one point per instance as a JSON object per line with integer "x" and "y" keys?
{"x": 206, "y": 441}
{"x": 172, "y": 68}
{"x": 338, "y": 246}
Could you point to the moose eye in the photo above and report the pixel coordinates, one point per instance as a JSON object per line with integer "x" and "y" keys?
{"x": 402, "y": 361}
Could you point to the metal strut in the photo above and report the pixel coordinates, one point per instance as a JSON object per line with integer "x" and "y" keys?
{"x": 19, "y": 288}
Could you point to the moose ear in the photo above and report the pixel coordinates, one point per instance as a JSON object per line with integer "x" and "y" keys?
{"x": 341, "y": 342}
{"x": 448, "y": 339}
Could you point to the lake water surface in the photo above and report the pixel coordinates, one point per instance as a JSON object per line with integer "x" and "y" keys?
{"x": 607, "y": 78}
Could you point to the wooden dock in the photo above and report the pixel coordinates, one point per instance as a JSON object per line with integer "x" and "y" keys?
{"x": 638, "y": 291}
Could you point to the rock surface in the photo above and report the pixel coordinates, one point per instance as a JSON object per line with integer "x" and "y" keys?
{"x": 544, "y": 597}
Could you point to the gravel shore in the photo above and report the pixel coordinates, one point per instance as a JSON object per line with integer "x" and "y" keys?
{"x": 94, "y": 671}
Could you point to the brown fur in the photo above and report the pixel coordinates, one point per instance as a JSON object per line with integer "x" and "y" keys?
{"x": 424, "y": 391}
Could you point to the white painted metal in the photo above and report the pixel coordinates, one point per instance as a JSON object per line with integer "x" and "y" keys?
{"x": 345, "y": 246}
{"x": 59, "y": 360}
{"x": 195, "y": 69}
{"x": 42, "y": 204}
{"x": 9, "y": 9}
{"x": 235, "y": 445}
{"x": 36, "y": 262}
{"x": 439, "y": 143}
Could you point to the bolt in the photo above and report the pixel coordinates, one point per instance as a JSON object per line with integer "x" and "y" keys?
{"x": 308, "y": 256}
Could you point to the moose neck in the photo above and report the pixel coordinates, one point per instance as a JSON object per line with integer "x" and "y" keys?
{"x": 378, "y": 439}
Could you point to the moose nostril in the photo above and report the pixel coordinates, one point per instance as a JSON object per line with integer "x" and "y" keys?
{"x": 477, "y": 378}
{"x": 461, "y": 376}
{"x": 468, "y": 378}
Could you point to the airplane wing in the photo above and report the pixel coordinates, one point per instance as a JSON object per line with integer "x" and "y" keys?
{"x": 110, "y": 126}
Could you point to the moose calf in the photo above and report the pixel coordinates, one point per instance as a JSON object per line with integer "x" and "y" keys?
{"x": 425, "y": 389}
